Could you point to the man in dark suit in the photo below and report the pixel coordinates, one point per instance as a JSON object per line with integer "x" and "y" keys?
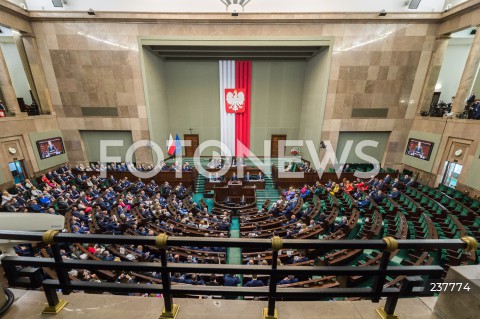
{"x": 231, "y": 280}
{"x": 298, "y": 259}
{"x": 51, "y": 148}
{"x": 35, "y": 207}
{"x": 396, "y": 183}
{"x": 212, "y": 281}
{"x": 75, "y": 194}
{"x": 224, "y": 225}
{"x": 307, "y": 210}
{"x": 243, "y": 201}
{"x": 381, "y": 184}
{"x": 227, "y": 200}
{"x": 394, "y": 194}
{"x": 405, "y": 179}
{"x": 412, "y": 183}
{"x": 293, "y": 220}
{"x": 288, "y": 280}
{"x": 254, "y": 282}
{"x": 195, "y": 280}
{"x": 387, "y": 179}
{"x": 19, "y": 189}
{"x": 364, "y": 203}
{"x": 177, "y": 277}
{"x": 106, "y": 256}
{"x": 80, "y": 214}
{"x": 103, "y": 204}
{"x": 323, "y": 218}
{"x": 378, "y": 196}
{"x": 291, "y": 204}
{"x": 9, "y": 207}
{"x": 334, "y": 227}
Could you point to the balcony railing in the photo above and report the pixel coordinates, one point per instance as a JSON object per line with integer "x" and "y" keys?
{"x": 412, "y": 285}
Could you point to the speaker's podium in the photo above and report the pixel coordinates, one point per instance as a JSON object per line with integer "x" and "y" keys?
{"x": 235, "y": 188}
{"x": 230, "y": 196}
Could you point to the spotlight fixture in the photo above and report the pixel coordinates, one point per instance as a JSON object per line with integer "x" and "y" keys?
{"x": 382, "y": 13}
{"x": 473, "y": 32}
{"x": 414, "y": 4}
{"x": 235, "y": 6}
{"x": 91, "y": 12}
{"x": 57, "y": 3}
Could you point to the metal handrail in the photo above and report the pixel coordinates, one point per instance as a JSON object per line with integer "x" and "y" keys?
{"x": 161, "y": 242}
{"x": 380, "y": 244}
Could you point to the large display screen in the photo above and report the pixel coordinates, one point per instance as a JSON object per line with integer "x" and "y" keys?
{"x": 419, "y": 149}
{"x": 50, "y": 147}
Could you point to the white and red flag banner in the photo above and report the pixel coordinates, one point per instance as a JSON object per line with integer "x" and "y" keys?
{"x": 235, "y": 91}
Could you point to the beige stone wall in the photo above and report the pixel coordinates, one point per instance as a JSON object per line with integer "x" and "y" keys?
{"x": 385, "y": 70}
{"x": 93, "y": 65}
{"x": 374, "y": 65}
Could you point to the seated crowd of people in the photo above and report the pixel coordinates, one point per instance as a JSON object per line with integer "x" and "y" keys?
{"x": 110, "y": 206}
{"x": 365, "y": 192}
{"x": 125, "y": 167}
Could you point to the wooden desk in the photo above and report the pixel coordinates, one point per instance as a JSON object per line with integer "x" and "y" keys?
{"x": 241, "y": 171}
{"x": 235, "y": 192}
{"x": 253, "y": 183}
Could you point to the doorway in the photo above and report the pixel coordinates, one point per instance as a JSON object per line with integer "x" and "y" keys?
{"x": 18, "y": 171}
{"x": 451, "y": 173}
{"x": 274, "y": 147}
{"x": 194, "y": 140}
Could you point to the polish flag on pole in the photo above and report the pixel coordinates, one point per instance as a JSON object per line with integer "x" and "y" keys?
{"x": 171, "y": 145}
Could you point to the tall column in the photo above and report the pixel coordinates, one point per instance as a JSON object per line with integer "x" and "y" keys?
{"x": 433, "y": 72}
{"x": 38, "y": 75}
{"x": 9, "y": 96}
{"x": 468, "y": 75}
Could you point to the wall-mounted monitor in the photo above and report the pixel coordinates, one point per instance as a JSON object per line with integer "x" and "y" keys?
{"x": 419, "y": 149}
{"x": 50, "y": 147}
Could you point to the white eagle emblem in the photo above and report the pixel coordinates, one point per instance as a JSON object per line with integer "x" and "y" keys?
{"x": 235, "y": 100}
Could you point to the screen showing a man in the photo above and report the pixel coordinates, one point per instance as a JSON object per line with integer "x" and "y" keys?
{"x": 50, "y": 147}
{"x": 419, "y": 149}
